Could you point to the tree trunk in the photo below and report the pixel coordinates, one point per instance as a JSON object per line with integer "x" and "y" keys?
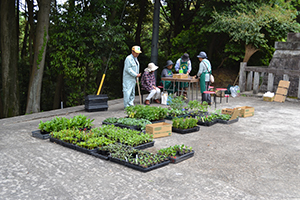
{"x": 31, "y": 31}
{"x": 9, "y": 48}
{"x": 249, "y": 51}
{"x": 58, "y": 90}
{"x": 35, "y": 83}
{"x": 142, "y": 4}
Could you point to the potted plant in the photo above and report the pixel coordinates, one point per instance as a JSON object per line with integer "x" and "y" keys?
{"x": 110, "y": 120}
{"x": 198, "y": 108}
{"x": 176, "y": 107}
{"x": 225, "y": 118}
{"x": 61, "y": 123}
{"x": 177, "y": 153}
{"x": 207, "y": 120}
{"x": 183, "y": 126}
{"x": 153, "y": 114}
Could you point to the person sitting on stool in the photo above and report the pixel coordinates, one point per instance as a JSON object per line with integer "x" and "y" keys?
{"x": 148, "y": 83}
{"x": 167, "y": 72}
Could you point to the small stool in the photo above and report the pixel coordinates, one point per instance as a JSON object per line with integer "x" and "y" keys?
{"x": 212, "y": 92}
{"x": 226, "y": 96}
{"x": 222, "y": 90}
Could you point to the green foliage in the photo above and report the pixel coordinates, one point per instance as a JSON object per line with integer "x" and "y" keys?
{"x": 146, "y": 112}
{"x": 61, "y": 123}
{"x": 176, "y": 102}
{"x": 123, "y": 135}
{"x": 182, "y": 123}
{"x": 41, "y": 52}
{"x": 81, "y": 42}
{"x": 256, "y": 24}
{"x": 196, "y": 106}
{"x": 175, "y": 150}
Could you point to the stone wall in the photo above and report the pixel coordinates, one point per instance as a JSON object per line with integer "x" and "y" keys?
{"x": 286, "y": 56}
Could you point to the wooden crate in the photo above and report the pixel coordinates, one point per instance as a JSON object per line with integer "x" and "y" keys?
{"x": 282, "y": 91}
{"x": 180, "y": 76}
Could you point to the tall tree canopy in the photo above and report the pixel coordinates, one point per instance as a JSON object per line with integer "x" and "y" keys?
{"x": 62, "y": 51}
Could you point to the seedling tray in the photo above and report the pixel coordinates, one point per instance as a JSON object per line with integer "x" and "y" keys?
{"x": 207, "y": 123}
{"x": 228, "y": 121}
{"x": 169, "y": 117}
{"x": 144, "y": 146}
{"x": 107, "y": 123}
{"x": 40, "y": 135}
{"x": 147, "y": 169}
{"x": 199, "y": 114}
{"x": 100, "y": 154}
{"x": 158, "y": 121}
{"x": 54, "y": 140}
{"x": 84, "y": 150}
{"x": 185, "y": 131}
{"x": 181, "y": 158}
{"x": 116, "y": 160}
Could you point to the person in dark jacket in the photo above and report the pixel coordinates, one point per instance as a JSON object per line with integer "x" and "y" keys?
{"x": 148, "y": 83}
{"x": 167, "y": 72}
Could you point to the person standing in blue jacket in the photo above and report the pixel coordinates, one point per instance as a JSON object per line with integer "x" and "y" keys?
{"x": 130, "y": 75}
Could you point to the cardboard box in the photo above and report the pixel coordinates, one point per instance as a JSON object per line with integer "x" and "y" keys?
{"x": 246, "y": 111}
{"x": 228, "y": 111}
{"x": 180, "y": 76}
{"x": 158, "y": 130}
{"x": 270, "y": 99}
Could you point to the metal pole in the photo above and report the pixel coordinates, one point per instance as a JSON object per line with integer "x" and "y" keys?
{"x": 155, "y": 33}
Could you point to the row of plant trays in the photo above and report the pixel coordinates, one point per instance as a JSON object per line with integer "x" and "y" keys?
{"x": 46, "y": 135}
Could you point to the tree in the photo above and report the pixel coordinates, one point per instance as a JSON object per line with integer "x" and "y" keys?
{"x": 82, "y": 37}
{"x": 9, "y": 55}
{"x": 35, "y": 83}
{"x": 256, "y": 27}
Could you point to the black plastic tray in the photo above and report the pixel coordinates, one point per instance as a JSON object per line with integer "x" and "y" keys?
{"x": 147, "y": 169}
{"x": 40, "y": 135}
{"x": 158, "y": 121}
{"x": 97, "y": 154}
{"x": 207, "y": 123}
{"x": 107, "y": 123}
{"x": 199, "y": 114}
{"x": 228, "y": 121}
{"x": 185, "y": 131}
{"x": 144, "y": 146}
{"x": 169, "y": 117}
{"x": 54, "y": 140}
{"x": 84, "y": 150}
{"x": 179, "y": 159}
{"x": 116, "y": 160}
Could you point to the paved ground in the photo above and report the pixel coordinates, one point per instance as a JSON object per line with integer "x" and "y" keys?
{"x": 255, "y": 158}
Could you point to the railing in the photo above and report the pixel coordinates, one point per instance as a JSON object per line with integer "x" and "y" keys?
{"x": 247, "y": 71}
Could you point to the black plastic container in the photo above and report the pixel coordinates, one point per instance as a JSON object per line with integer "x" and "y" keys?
{"x": 96, "y": 103}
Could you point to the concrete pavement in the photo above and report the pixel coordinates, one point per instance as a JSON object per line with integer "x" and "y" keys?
{"x": 255, "y": 158}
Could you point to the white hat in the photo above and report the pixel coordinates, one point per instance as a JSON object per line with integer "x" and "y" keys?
{"x": 136, "y": 49}
{"x": 151, "y": 67}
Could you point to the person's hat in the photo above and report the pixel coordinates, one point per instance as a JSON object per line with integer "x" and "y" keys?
{"x": 152, "y": 67}
{"x": 185, "y": 57}
{"x": 136, "y": 49}
{"x": 169, "y": 62}
{"x": 202, "y": 54}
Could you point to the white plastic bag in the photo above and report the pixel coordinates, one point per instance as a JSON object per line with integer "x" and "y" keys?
{"x": 235, "y": 91}
{"x": 164, "y": 98}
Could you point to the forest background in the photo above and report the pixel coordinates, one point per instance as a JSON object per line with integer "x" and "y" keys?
{"x": 57, "y": 53}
